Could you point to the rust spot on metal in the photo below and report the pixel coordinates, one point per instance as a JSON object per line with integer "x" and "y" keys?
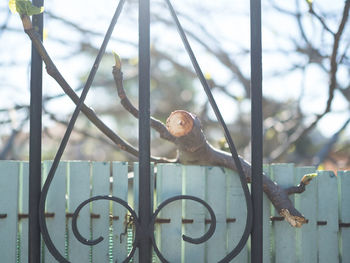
{"x": 115, "y": 218}
{"x": 3, "y": 216}
{"x": 342, "y": 224}
{"x": 276, "y": 218}
{"x": 163, "y": 220}
{"x": 49, "y": 215}
{"x": 230, "y": 220}
{"x": 22, "y": 216}
{"x": 207, "y": 221}
{"x": 69, "y": 215}
{"x": 95, "y": 216}
{"x": 187, "y": 221}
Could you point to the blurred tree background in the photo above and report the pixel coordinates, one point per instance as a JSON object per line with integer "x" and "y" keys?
{"x": 306, "y": 77}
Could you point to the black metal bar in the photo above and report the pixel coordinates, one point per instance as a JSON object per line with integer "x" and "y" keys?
{"x": 35, "y": 144}
{"x": 256, "y": 130}
{"x": 145, "y": 209}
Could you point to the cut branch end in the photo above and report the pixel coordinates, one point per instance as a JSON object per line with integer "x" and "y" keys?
{"x": 293, "y": 220}
{"x": 179, "y": 123}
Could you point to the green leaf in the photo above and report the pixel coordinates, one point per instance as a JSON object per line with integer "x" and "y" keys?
{"x": 118, "y": 63}
{"x": 12, "y": 6}
{"x": 310, "y": 2}
{"x": 24, "y": 7}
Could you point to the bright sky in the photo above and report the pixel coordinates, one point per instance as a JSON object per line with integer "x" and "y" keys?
{"x": 231, "y": 28}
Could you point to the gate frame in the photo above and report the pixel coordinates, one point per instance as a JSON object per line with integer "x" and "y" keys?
{"x": 145, "y": 195}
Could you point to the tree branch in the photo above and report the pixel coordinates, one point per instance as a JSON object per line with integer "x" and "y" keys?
{"x": 124, "y": 100}
{"x": 194, "y": 149}
{"x": 299, "y": 133}
{"x": 319, "y": 18}
{"x": 89, "y": 113}
{"x": 222, "y": 56}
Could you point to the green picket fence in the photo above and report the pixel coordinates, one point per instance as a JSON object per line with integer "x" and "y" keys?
{"x": 325, "y": 238}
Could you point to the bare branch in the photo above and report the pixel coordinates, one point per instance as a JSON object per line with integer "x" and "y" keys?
{"x": 319, "y": 18}
{"x": 220, "y": 55}
{"x": 299, "y": 133}
{"x": 84, "y": 30}
{"x": 334, "y": 56}
{"x": 89, "y": 113}
{"x": 124, "y": 100}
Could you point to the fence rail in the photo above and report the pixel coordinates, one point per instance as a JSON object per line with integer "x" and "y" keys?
{"x": 325, "y": 203}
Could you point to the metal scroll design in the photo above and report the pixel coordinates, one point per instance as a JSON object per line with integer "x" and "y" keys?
{"x": 98, "y": 240}
{"x": 43, "y": 226}
{"x": 150, "y": 231}
{"x": 136, "y": 224}
{"x": 199, "y": 240}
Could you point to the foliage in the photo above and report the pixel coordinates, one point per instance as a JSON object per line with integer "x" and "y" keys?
{"x": 24, "y": 7}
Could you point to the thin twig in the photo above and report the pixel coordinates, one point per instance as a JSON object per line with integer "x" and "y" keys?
{"x": 320, "y": 19}
{"x": 124, "y": 100}
{"x": 299, "y": 133}
{"x": 89, "y": 113}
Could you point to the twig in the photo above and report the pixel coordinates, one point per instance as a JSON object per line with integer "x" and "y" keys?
{"x": 332, "y": 86}
{"x": 89, "y": 113}
{"x": 85, "y": 31}
{"x": 320, "y": 19}
{"x": 124, "y": 100}
{"x": 221, "y": 56}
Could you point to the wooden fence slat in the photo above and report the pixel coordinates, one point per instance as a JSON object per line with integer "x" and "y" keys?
{"x": 100, "y": 211}
{"x": 23, "y": 209}
{"x": 327, "y": 212}
{"x": 79, "y": 191}
{"x": 267, "y": 246}
{"x": 284, "y": 234}
{"x": 9, "y": 179}
{"x": 236, "y": 208}
{"x": 216, "y": 198}
{"x": 169, "y": 184}
{"x": 120, "y": 189}
{"x": 56, "y": 203}
{"x": 194, "y": 184}
{"x": 344, "y": 216}
{"x": 307, "y": 205}
{"x": 325, "y": 204}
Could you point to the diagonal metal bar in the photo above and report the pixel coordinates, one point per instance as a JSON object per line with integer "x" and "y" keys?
{"x": 229, "y": 140}
{"x": 67, "y": 134}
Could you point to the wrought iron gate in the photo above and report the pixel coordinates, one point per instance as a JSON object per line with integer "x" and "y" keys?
{"x": 144, "y": 220}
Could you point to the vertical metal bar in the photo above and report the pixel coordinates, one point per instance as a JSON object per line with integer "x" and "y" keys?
{"x": 35, "y": 144}
{"x": 145, "y": 209}
{"x": 256, "y": 132}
